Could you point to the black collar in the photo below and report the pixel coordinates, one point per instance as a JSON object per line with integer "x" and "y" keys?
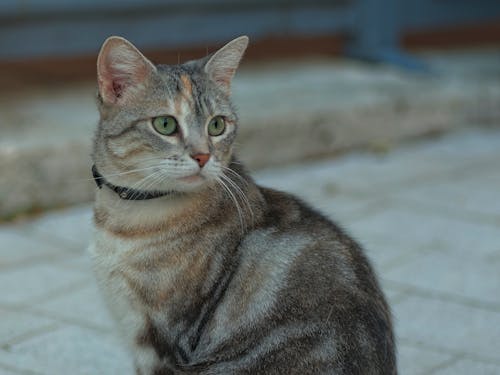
{"x": 125, "y": 192}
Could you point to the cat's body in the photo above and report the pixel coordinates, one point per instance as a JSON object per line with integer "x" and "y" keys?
{"x": 221, "y": 280}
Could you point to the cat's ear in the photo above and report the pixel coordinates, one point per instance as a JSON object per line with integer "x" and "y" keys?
{"x": 223, "y": 63}
{"x": 122, "y": 70}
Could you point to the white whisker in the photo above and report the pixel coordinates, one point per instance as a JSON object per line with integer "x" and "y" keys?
{"x": 233, "y": 198}
{"x": 240, "y": 193}
{"x": 145, "y": 184}
{"x": 235, "y": 174}
{"x": 119, "y": 174}
{"x": 142, "y": 183}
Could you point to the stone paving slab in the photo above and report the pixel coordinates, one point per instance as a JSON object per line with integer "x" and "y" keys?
{"x": 400, "y": 231}
{"x": 419, "y": 361}
{"x": 438, "y": 260}
{"x": 460, "y": 277}
{"x": 18, "y": 248}
{"x": 75, "y": 307}
{"x": 453, "y": 326}
{"x": 69, "y": 350}
{"x": 375, "y": 175}
{"x": 468, "y": 367}
{"x": 24, "y": 285}
{"x": 76, "y": 223}
{"x": 17, "y": 325}
{"x": 478, "y": 194}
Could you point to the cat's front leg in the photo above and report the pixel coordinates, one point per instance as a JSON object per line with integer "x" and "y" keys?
{"x": 145, "y": 360}
{"x": 133, "y": 328}
{"x": 129, "y": 320}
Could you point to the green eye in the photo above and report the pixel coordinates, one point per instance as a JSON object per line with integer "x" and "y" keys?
{"x": 216, "y": 126}
{"x": 166, "y": 125}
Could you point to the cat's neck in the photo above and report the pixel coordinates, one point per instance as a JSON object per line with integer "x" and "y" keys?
{"x": 240, "y": 202}
{"x": 122, "y": 216}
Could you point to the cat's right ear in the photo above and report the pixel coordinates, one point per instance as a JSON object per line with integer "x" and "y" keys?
{"x": 122, "y": 71}
{"x": 223, "y": 63}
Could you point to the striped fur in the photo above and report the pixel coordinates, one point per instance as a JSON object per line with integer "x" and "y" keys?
{"x": 222, "y": 276}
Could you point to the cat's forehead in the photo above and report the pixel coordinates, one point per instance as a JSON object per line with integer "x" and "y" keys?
{"x": 177, "y": 77}
{"x": 183, "y": 83}
{"x": 187, "y": 89}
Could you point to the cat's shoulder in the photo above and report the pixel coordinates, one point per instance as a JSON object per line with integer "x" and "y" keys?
{"x": 283, "y": 208}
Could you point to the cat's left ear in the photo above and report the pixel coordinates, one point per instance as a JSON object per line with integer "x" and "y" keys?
{"x": 223, "y": 63}
{"x": 122, "y": 71}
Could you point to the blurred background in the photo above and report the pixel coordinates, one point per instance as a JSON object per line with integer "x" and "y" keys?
{"x": 384, "y": 114}
{"x": 329, "y": 75}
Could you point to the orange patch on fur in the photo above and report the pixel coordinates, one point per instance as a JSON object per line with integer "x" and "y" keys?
{"x": 134, "y": 233}
{"x": 187, "y": 85}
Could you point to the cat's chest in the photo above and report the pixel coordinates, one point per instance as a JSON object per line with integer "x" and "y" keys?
{"x": 144, "y": 273}
{"x": 111, "y": 254}
{"x": 126, "y": 260}
{"x": 112, "y": 261}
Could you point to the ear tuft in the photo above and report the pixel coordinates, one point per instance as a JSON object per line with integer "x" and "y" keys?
{"x": 223, "y": 63}
{"x": 122, "y": 70}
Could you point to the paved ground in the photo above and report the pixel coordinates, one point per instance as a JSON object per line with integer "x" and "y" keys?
{"x": 428, "y": 214}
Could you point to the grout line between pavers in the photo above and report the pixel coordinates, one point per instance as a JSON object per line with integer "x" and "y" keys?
{"x": 421, "y": 180}
{"x": 28, "y": 308}
{"x": 60, "y": 291}
{"x": 465, "y": 215}
{"x": 28, "y": 335}
{"x": 36, "y": 259}
{"x": 400, "y": 297}
{"x": 30, "y": 229}
{"x": 405, "y": 258}
{"x": 440, "y": 366}
{"x": 58, "y": 242}
{"x": 52, "y": 294}
{"x": 422, "y": 207}
{"x": 443, "y": 296}
{"x": 370, "y": 208}
{"x": 19, "y": 371}
{"x": 103, "y": 330}
{"x": 69, "y": 320}
{"x": 63, "y": 243}
{"x": 443, "y": 350}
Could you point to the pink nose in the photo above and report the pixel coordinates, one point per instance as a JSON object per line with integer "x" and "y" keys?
{"x": 201, "y": 159}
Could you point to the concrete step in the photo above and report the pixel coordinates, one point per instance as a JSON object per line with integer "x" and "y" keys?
{"x": 289, "y": 111}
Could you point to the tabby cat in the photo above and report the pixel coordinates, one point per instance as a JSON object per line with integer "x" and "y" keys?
{"x": 204, "y": 271}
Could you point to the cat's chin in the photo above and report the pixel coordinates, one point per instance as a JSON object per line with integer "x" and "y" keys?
{"x": 193, "y": 179}
{"x": 191, "y": 183}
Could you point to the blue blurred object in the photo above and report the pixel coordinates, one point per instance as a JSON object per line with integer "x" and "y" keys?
{"x": 38, "y": 28}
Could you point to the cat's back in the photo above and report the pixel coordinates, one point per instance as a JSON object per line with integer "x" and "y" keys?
{"x": 322, "y": 239}
{"x": 304, "y": 292}
{"x": 320, "y": 254}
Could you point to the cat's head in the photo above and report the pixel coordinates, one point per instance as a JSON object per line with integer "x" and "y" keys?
{"x": 165, "y": 127}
